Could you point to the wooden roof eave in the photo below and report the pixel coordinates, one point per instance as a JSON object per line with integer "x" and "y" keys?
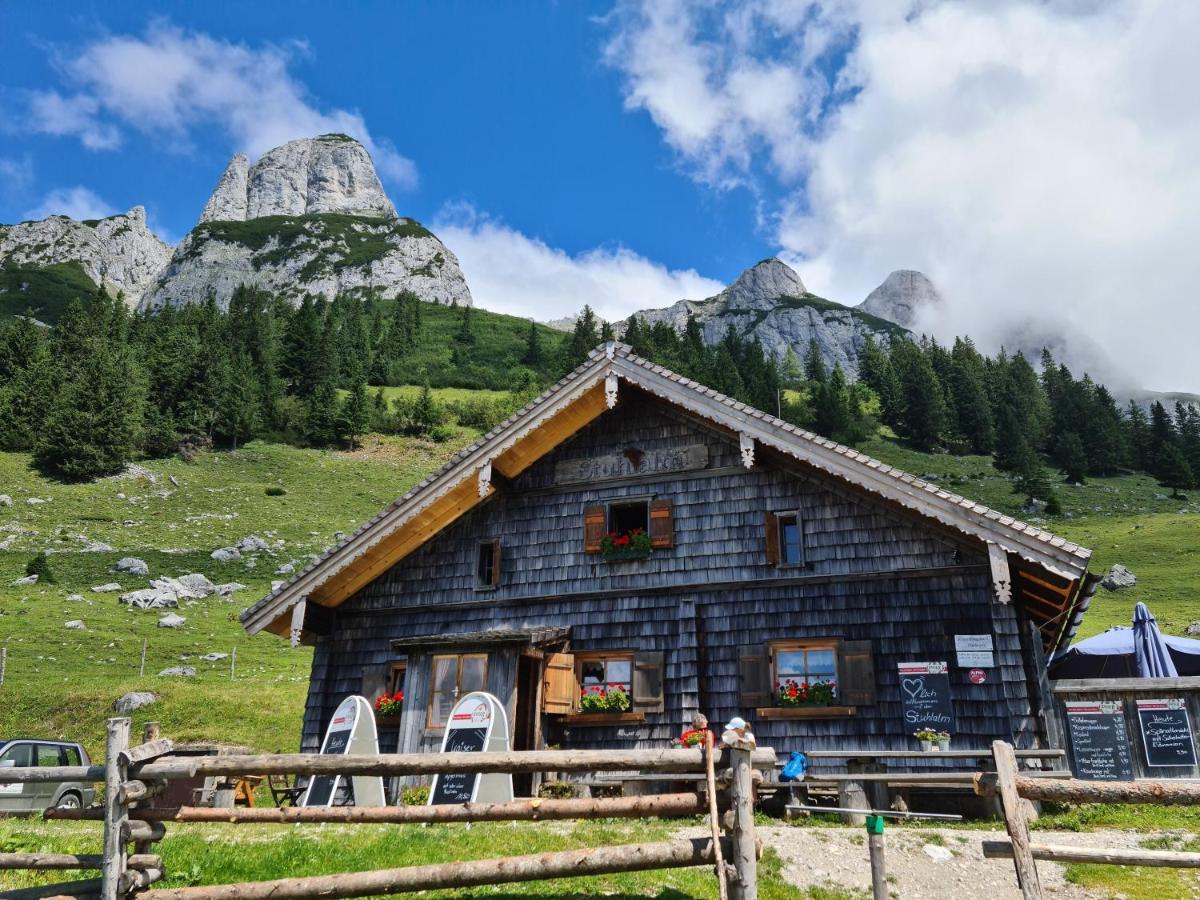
{"x": 509, "y": 449}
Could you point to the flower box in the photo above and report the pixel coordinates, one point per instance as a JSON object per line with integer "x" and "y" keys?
{"x": 806, "y": 712}
{"x": 603, "y": 718}
{"x": 616, "y": 555}
{"x": 634, "y": 544}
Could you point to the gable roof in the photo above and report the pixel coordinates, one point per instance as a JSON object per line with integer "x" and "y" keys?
{"x": 1051, "y": 563}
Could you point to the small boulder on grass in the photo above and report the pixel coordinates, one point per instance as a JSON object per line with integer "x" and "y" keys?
{"x": 74, "y": 625}
{"x": 127, "y": 703}
{"x": 171, "y": 620}
{"x": 24, "y": 582}
{"x": 132, "y": 565}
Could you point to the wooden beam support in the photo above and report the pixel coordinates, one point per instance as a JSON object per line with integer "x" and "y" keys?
{"x": 1064, "y": 853}
{"x": 690, "y": 760}
{"x": 88, "y": 887}
{"x": 1016, "y": 821}
{"x": 535, "y": 867}
{"x": 1074, "y": 790}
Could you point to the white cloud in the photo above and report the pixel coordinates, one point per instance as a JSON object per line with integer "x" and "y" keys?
{"x": 77, "y": 202}
{"x": 512, "y": 273}
{"x": 1037, "y": 160}
{"x": 169, "y": 82}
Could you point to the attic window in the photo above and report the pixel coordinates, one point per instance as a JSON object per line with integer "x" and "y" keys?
{"x": 785, "y": 538}
{"x": 487, "y": 565}
{"x": 624, "y": 518}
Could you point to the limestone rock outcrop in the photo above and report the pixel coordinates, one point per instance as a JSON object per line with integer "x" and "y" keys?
{"x": 902, "y": 297}
{"x": 118, "y": 253}
{"x": 310, "y": 217}
{"x": 770, "y": 302}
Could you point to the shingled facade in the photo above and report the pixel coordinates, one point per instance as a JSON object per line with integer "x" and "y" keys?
{"x": 774, "y": 556}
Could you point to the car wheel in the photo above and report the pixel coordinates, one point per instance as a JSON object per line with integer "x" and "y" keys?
{"x": 70, "y": 800}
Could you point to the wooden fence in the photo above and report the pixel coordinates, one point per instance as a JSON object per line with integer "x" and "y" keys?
{"x": 1015, "y": 790}
{"x": 133, "y": 775}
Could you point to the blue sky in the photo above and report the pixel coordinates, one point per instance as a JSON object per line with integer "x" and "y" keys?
{"x": 509, "y": 108}
{"x": 1036, "y": 158}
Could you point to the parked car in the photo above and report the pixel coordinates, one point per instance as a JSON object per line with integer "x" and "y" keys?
{"x": 35, "y": 796}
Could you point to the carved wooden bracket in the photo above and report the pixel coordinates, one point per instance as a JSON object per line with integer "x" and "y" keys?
{"x": 610, "y": 389}
{"x": 485, "y": 478}
{"x": 298, "y": 622}
{"x": 747, "y": 445}
{"x": 1001, "y": 577}
{"x": 610, "y": 349}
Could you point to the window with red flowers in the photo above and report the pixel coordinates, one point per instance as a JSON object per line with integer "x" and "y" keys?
{"x": 806, "y": 674}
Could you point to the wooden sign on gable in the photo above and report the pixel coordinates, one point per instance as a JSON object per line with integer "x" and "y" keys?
{"x": 630, "y": 463}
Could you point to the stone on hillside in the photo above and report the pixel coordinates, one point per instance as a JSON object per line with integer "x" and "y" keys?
{"x": 132, "y": 565}
{"x": 35, "y": 501}
{"x": 171, "y": 620}
{"x": 76, "y": 598}
{"x": 111, "y": 588}
{"x": 228, "y": 588}
{"x": 22, "y": 582}
{"x": 178, "y": 672}
{"x": 938, "y": 853}
{"x": 74, "y": 625}
{"x": 8, "y": 542}
{"x": 1118, "y": 577}
{"x": 286, "y": 569}
{"x": 1193, "y": 630}
{"x": 5, "y": 500}
{"x": 251, "y": 543}
{"x": 198, "y": 584}
{"x": 226, "y": 554}
{"x": 214, "y": 657}
{"x": 151, "y": 598}
{"x": 127, "y": 703}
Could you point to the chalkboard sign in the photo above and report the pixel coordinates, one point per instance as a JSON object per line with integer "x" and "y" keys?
{"x": 478, "y": 723}
{"x": 323, "y": 786}
{"x": 1166, "y": 733}
{"x": 925, "y": 695}
{"x": 459, "y": 787}
{"x": 1099, "y": 741}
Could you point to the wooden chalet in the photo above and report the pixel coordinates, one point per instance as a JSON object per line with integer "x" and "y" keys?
{"x": 775, "y": 555}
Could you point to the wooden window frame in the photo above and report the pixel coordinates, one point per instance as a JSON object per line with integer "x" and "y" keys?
{"x": 396, "y": 676}
{"x": 776, "y": 546}
{"x": 494, "y": 582}
{"x": 776, "y": 711}
{"x": 433, "y": 692}
{"x": 634, "y": 714}
{"x": 590, "y": 656}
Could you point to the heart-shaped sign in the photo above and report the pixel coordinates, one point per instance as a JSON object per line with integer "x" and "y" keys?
{"x": 914, "y": 687}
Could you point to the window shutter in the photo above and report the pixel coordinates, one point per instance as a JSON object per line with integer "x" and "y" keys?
{"x": 496, "y": 563}
{"x": 375, "y": 681}
{"x": 595, "y": 525}
{"x": 662, "y": 524}
{"x": 856, "y": 673}
{"x": 560, "y": 690}
{"x": 648, "y": 681}
{"x": 754, "y": 672}
{"x": 771, "y": 526}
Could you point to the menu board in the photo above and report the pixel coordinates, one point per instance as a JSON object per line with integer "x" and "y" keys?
{"x": 1099, "y": 741}
{"x": 925, "y": 695}
{"x": 1166, "y": 732}
{"x": 323, "y": 786}
{"x": 459, "y": 787}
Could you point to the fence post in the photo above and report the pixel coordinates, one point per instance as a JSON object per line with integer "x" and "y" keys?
{"x": 879, "y": 885}
{"x": 115, "y": 815}
{"x": 745, "y": 846}
{"x": 1016, "y": 820}
{"x": 3, "y": 662}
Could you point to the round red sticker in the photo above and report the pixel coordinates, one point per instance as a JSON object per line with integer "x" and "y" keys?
{"x": 977, "y": 676}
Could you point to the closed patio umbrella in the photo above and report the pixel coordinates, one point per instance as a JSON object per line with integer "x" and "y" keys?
{"x": 1153, "y": 656}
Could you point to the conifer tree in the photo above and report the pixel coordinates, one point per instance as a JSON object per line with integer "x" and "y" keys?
{"x": 923, "y": 410}
{"x": 354, "y": 414}
{"x": 1172, "y": 469}
{"x": 583, "y": 340}
{"x": 534, "y": 356}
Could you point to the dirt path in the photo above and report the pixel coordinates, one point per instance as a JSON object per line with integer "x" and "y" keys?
{"x": 923, "y": 864}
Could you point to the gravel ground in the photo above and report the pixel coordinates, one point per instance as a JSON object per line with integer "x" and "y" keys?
{"x": 924, "y": 864}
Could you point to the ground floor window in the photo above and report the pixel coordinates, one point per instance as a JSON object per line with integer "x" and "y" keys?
{"x": 453, "y": 676}
{"x": 805, "y": 673}
{"x": 605, "y": 681}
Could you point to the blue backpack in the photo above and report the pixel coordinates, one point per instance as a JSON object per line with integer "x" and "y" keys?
{"x": 795, "y": 767}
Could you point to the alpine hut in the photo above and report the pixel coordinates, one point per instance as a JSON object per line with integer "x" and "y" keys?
{"x": 632, "y": 547}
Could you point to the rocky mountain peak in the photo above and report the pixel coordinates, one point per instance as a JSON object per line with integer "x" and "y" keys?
{"x": 119, "y": 253}
{"x": 901, "y": 297}
{"x": 761, "y": 286}
{"x": 331, "y": 173}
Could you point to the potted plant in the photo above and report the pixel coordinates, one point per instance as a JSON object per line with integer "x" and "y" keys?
{"x": 926, "y": 737}
{"x": 388, "y": 706}
{"x": 599, "y": 698}
{"x": 633, "y": 544}
{"x": 806, "y": 693}
{"x": 693, "y": 737}
{"x": 943, "y": 740}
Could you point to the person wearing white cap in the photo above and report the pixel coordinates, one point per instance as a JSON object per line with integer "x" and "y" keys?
{"x": 738, "y": 734}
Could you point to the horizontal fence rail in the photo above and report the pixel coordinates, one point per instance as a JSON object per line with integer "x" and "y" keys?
{"x": 1064, "y": 853}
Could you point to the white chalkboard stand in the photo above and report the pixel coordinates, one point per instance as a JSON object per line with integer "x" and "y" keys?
{"x": 351, "y": 732}
{"x": 478, "y": 723}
